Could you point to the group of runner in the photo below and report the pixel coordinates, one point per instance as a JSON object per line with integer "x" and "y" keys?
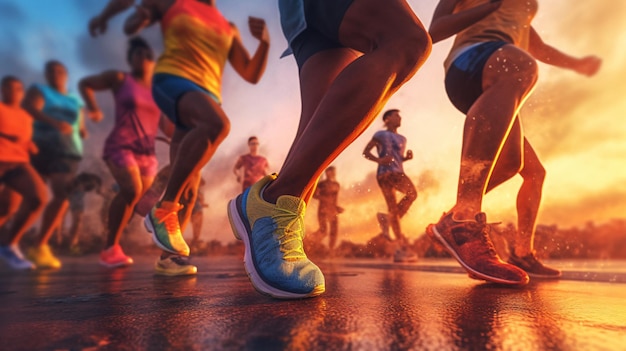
{"x": 340, "y": 46}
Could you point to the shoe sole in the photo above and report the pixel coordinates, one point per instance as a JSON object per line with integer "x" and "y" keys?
{"x": 115, "y": 265}
{"x": 163, "y": 272}
{"x": 240, "y": 232}
{"x": 474, "y": 274}
{"x": 147, "y": 222}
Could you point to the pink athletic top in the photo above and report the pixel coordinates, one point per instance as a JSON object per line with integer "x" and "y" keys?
{"x": 136, "y": 120}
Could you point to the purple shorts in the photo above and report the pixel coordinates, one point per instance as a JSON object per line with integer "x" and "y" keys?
{"x": 122, "y": 158}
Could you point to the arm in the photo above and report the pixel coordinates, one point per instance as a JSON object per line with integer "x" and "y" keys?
{"x": 367, "y": 153}
{"x": 409, "y": 156}
{"x": 109, "y": 80}
{"x": 34, "y": 102}
{"x": 144, "y": 16}
{"x": 238, "y": 166}
{"x": 98, "y": 24}
{"x": 545, "y": 53}
{"x": 82, "y": 128}
{"x": 251, "y": 69}
{"x": 446, "y": 23}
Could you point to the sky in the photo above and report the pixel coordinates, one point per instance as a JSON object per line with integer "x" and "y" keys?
{"x": 576, "y": 124}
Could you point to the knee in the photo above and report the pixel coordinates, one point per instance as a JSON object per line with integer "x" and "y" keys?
{"x": 131, "y": 195}
{"x": 216, "y": 129}
{"x": 411, "y": 49}
{"x": 536, "y": 173}
{"x": 411, "y": 195}
{"x": 36, "y": 202}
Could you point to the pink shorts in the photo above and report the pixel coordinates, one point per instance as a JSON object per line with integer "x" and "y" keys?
{"x": 147, "y": 164}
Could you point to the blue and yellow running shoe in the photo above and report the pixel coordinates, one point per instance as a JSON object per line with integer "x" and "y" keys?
{"x": 272, "y": 235}
{"x": 174, "y": 266}
{"x": 162, "y": 223}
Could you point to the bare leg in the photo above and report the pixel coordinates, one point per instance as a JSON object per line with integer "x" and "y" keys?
{"x": 190, "y": 192}
{"x": 332, "y": 239}
{"x": 77, "y": 221}
{"x": 508, "y": 78}
{"x": 34, "y": 196}
{"x": 209, "y": 127}
{"x": 196, "y": 226}
{"x": 511, "y": 162}
{"x": 406, "y": 187}
{"x": 56, "y": 208}
{"x": 9, "y": 204}
{"x": 528, "y": 201}
{"x": 122, "y": 205}
{"x": 395, "y": 45}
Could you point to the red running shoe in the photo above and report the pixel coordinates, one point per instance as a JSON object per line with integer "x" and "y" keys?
{"x": 469, "y": 243}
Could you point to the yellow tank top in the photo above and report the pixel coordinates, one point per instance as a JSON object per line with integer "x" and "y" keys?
{"x": 510, "y": 23}
{"x": 197, "y": 41}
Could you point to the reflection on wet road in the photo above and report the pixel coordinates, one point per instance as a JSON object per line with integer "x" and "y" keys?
{"x": 368, "y": 306}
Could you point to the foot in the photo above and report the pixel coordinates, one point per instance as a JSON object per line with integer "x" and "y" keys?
{"x": 533, "y": 266}
{"x": 272, "y": 235}
{"x": 43, "y": 258}
{"x": 114, "y": 257}
{"x": 162, "y": 223}
{"x": 404, "y": 256}
{"x": 174, "y": 266}
{"x": 469, "y": 243}
{"x": 13, "y": 257}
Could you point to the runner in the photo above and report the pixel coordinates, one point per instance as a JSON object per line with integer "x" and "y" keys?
{"x": 82, "y": 184}
{"x": 391, "y": 178}
{"x": 352, "y": 56}
{"x": 129, "y": 150}
{"x": 197, "y": 216}
{"x": 327, "y": 192}
{"x": 19, "y": 180}
{"x": 58, "y": 132}
{"x": 186, "y": 86}
{"x": 491, "y": 71}
{"x": 251, "y": 167}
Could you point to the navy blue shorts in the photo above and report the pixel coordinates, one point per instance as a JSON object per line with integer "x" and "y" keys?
{"x": 167, "y": 89}
{"x": 323, "y": 18}
{"x": 464, "y": 79}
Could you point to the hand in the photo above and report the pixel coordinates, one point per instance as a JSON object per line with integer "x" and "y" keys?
{"x": 33, "y": 149}
{"x": 64, "y": 127}
{"x": 97, "y": 25}
{"x": 258, "y": 29}
{"x": 95, "y": 115}
{"x": 83, "y": 133}
{"x": 409, "y": 155}
{"x": 589, "y": 65}
{"x": 340, "y": 209}
{"x": 387, "y": 160}
{"x": 143, "y": 14}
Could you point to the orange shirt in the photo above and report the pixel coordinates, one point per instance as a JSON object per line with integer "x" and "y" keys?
{"x": 510, "y": 23}
{"x": 197, "y": 42}
{"x": 15, "y": 122}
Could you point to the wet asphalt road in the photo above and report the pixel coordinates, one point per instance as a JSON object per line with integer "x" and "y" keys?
{"x": 368, "y": 305}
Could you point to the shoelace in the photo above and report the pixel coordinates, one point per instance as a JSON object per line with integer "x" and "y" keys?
{"x": 484, "y": 229}
{"x": 169, "y": 218}
{"x": 290, "y": 240}
{"x": 179, "y": 260}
